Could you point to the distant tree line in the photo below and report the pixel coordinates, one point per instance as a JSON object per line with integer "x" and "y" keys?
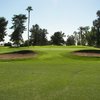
{"x": 38, "y": 37}
{"x": 86, "y": 35}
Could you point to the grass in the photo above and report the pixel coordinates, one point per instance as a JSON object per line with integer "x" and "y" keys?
{"x": 55, "y": 74}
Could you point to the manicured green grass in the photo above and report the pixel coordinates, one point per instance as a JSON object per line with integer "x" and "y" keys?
{"x": 55, "y": 74}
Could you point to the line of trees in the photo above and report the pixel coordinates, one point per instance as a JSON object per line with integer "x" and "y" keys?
{"x": 84, "y": 36}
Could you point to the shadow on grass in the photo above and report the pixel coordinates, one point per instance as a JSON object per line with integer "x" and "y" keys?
{"x": 21, "y": 52}
{"x": 88, "y": 51}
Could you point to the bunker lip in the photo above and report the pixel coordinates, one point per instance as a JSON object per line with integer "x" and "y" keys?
{"x": 88, "y": 53}
{"x": 18, "y": 54}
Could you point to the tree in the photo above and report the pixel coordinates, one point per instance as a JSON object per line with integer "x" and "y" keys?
{"x": 76, "y": 37}
{"x": 29, "y": 8}
{"x": 96, "y": 24}
{"x": 98, "y": 13}
{"x": 70, "y": 40}
{"x": 43, "y": 38}
{"x": 57, "y": 38}
{"x": 18, "y": 27}
{"x": 91, "y": 37}
{"x": 81, "y": 29}
{"x": 38, "y": 35}
{"x": 3, "y": 25}
{"x": 84, "y": 35}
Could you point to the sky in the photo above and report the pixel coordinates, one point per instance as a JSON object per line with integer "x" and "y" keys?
{"x": 53, "y": 15}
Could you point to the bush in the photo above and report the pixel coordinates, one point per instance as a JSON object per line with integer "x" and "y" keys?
{"x": 8, "y": 44}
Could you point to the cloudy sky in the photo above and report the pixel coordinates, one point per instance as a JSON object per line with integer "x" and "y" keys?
{"x": 54, "y": 15}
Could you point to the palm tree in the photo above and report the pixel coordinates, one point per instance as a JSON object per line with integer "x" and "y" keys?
{"x": 29, "y": 8}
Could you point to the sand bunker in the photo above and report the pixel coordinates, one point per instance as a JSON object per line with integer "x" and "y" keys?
{"x": 18, "y": 54}
{"x": 90, "y": 53}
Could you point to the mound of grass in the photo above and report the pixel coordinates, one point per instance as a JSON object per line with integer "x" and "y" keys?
{"x": 88, "y": 51}
{"x": 22, "y": 52}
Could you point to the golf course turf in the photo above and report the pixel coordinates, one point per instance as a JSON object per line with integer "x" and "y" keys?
{"x": 54, "y": 74}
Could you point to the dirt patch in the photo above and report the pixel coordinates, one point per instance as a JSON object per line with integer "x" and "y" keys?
{"x": 18, "y": 54}
{"x": 90, "y": 53}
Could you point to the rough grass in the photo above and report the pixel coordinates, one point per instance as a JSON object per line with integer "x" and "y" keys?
{"x": 55, "y": 74}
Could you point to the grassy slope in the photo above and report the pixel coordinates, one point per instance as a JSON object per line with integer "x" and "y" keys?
{"x": 54, "y": 74}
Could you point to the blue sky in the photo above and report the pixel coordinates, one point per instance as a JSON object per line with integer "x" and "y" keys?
{"x": 54, "y": 15}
